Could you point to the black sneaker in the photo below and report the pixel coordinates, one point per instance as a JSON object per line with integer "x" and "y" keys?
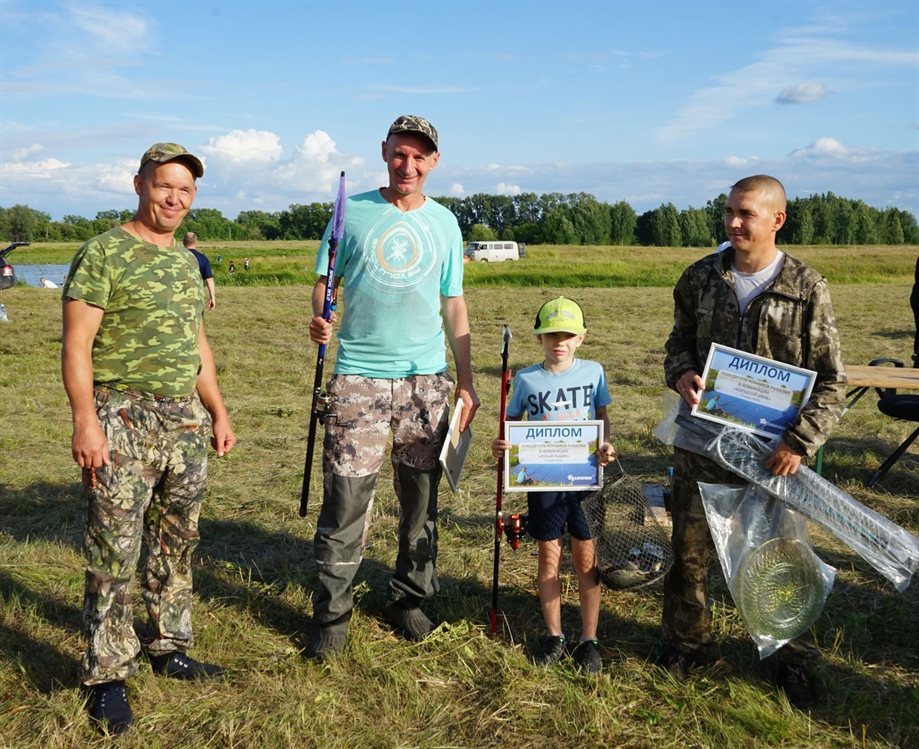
{"x": 676, "y": 662}
{"x": 109, "y": 708}
{"x": 328, "y": 641}
{"x": 796, "y": 682}
{"x": 412, "y": 622}
{"x": 177, "y": 665}
{"x": 587, "y": 656}
{"x": 553, "y": 650}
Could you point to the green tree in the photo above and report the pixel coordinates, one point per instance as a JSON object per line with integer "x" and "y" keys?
{"x": 622, "y": 223}
{"x": 590, "y": 220}
{"x": 694, "y": 228}
{"x": 20, "y": 223}
{"x": 557, "y": 227}
{"x": 482, "y": 233}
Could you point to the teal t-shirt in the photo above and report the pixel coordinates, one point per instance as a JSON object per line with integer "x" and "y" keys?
{"x": 153, "y": 300}
{"x": 395, "y": 267}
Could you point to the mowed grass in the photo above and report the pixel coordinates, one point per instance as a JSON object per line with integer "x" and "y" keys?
{"x": 460, "y": 688}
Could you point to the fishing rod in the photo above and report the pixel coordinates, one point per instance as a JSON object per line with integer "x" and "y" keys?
{"x": 320, "y": 410}
{"x": 499, "y": 519}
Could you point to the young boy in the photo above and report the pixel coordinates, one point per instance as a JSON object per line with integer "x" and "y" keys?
{"x": 569, "y": 389}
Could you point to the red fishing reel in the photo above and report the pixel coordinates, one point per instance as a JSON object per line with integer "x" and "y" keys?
{"x": 515, "y": 529}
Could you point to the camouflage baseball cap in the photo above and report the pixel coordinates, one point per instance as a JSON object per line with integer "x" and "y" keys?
{"x": 412, "y": 123}
{"x": 560, "y": 316}
{"x": 163, "y": 152}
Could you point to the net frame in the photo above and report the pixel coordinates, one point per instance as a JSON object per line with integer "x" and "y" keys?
{"x": 631, "y": 548}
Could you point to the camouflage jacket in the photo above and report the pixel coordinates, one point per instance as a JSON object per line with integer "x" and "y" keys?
{"x": 790, "y": 321}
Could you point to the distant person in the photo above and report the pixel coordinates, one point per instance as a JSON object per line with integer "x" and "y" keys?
{"x": 401, "y": 257}
{"x": 46, "y": 283}
{"x": 522, "y": 477}
{"x": 231, "y": 268}
{"x": 190, "y": 240}
{"x": 537, "y": 392}
{"x": 755, "y": 298}
{"x": 914, "y": 303}
{"x": 246, "y": 265}
{"x": 140, "y": 377}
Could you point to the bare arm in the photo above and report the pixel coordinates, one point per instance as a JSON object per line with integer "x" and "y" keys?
{"x": 223, "y": 437}
{"x": 456, "y": 324}
{"x": 88, "y": 444}
{"x": 212, "y": 293}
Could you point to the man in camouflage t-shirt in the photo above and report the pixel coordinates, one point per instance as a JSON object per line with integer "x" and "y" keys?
{"x": 142, "y": 385}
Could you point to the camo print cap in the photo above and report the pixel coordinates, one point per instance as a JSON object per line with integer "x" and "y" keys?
{"x": 163, "y": 152}
{"x": 412, "y": 123}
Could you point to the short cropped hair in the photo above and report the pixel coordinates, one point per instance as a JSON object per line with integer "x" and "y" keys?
{"x": 764, "y": 183}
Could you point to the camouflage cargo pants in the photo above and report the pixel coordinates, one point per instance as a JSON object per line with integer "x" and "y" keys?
{"x": 687, "y": 620}
{"x": 414, "y": 409}
{"x": 150, "y": 497}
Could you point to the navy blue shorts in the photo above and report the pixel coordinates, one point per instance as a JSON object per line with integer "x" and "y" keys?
{"x": 549, "y": 513}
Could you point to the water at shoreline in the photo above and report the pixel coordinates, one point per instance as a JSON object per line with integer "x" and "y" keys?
{"x": 30, "y": 273}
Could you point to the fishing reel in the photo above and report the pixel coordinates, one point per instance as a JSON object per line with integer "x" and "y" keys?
{"x": 515, "y": 529}
{"x": 324, "y": 412}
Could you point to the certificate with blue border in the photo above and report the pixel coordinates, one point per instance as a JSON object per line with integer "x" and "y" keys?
{"x": 752, "y": 392}
{"x": 552, "y": 456}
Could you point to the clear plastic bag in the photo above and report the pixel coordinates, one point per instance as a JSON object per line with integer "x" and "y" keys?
{"x": 778, "y": 583}
{"x": 890, "y": 549}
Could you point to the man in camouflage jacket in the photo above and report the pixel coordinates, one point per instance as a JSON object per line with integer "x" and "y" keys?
{"x": 753, "y": 298}
{"x": 142, "y": 385}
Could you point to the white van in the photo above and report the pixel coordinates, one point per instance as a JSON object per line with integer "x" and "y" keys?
{"x": 492, "y": 252}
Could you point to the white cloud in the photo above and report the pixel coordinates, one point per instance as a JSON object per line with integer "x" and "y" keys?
{"x": 456, "y": 189}
{"x": 739, "y": 161}
{"x": 823, "y": 148}
{"x": 33, "y": 169}
{"x": 21, "y": 154}
{"x": 113, "y": 30}
{"x": 759, "y": 83}
{"x": 244, "y": 148}
{"x": 803, "y": 93}
{"x": 502, "y": 188}
{"x": 319, "y": 147}
{"x": 117, "y": 179}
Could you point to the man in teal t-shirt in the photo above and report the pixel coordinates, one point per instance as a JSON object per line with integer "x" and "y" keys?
{"x": 401, "y": 261}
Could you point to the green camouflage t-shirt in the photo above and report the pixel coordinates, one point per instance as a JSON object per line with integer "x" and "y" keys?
{"x": 153, "y": 300}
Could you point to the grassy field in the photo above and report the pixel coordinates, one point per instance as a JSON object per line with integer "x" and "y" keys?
{"x": 459, "y": 688}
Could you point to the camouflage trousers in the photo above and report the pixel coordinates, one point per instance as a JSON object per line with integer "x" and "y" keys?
{"x": 687, "y": 620}
{"x": 414, "y": 410}
{"x": 149, "y": 497}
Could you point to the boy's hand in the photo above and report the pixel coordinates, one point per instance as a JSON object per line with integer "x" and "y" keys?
{"x": 606, "y": 454}
{"x": 498, "y": 446}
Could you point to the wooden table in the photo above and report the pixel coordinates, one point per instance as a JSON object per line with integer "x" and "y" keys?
{"x": 902, "y": 378}
{"x": 863, "y": 377}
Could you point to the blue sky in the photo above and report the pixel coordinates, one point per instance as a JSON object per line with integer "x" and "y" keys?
{"x": 646, "y": 102}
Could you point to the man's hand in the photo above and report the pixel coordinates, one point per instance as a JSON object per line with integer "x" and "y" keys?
{"x": 89, "y": 446}
{"x": 690, "y": 387}
{"x": 320, "y": 330}
{"x": 784, "y": 461}
{"x": 223, "y": 437}
{"x": 470, "y": 404}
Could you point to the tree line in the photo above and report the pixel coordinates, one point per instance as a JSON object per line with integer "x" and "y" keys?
{"x": 549, "y": 218}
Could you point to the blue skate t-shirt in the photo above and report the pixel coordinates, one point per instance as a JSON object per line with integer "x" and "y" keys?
{"x": 572, "y": 395}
